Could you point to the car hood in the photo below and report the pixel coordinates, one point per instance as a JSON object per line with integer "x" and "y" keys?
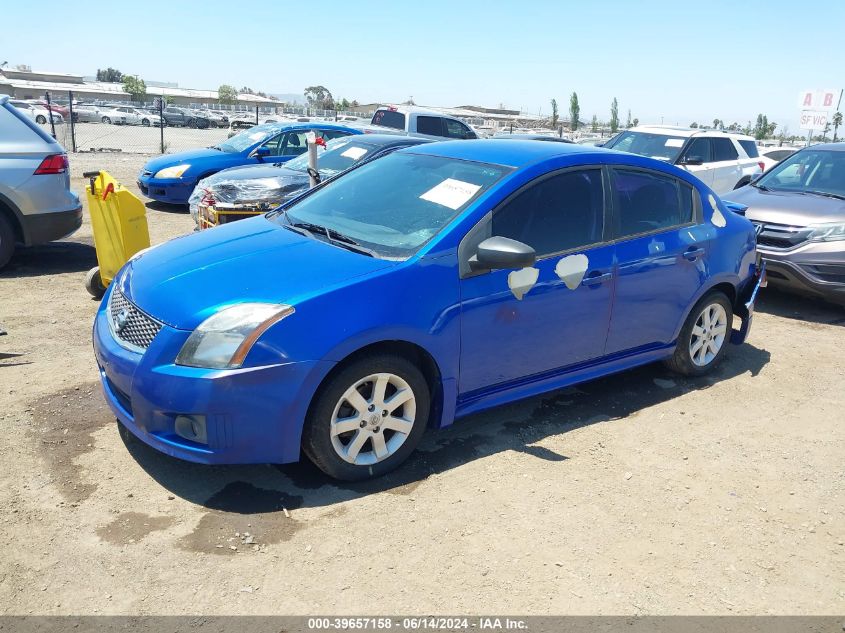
{"x": 250, "y": 184}
{"x": 184, "y": 281}
{"x": 787, "y": 207}
{"x": 195, "y": 158}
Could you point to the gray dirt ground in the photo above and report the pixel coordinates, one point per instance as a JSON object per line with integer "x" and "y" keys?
{"x": 639, "y": 493}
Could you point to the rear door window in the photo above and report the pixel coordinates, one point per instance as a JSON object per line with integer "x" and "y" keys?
{"x": 723, "y": 149}
{"x": 432, "y": 125}
{"x": 389, "y": 118}
{"x": 646, "y": 202}
{"x": 456, "y": 129}
{"x": 750, "y": 148}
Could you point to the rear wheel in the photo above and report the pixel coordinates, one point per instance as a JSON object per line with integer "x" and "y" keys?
{"x": 94, "y": 283}
{"x": 106, "y": 119}
{"x": 367, "y": 419}
{"x": 704, "y": 337}
{"x": 202, "y": 124}
{"x": 7, "y": 240}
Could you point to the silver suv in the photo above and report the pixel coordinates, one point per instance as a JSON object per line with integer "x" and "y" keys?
{"x": 36, "y": 203}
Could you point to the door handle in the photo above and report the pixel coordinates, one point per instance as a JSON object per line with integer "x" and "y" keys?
{"x": 693, "y": 253}
{"x": 596, "y": 277}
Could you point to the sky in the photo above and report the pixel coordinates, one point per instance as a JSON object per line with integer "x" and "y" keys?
{"x": 672, "y": 62}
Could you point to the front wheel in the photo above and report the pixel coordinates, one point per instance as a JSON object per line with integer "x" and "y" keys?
{"x": 106, "y": 119}
{"x": 41, "y": 119}
{"x": 368, "y": 418}
{"x": 145, "y": 122}
{"x": 704, "y": 337}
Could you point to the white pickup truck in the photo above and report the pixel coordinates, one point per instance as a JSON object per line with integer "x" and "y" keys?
{"x": 419, "y": 122}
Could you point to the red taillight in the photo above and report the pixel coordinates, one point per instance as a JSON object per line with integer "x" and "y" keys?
{"x": 762, "y": 166}
{"x": 55, "y": 164}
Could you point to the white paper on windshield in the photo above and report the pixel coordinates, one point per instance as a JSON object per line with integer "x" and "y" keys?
{"x": 257, "y": 136}
{"x": 674, "y": 142}
{"x": 354, "y": 153}
{"x": 451, "y": 193}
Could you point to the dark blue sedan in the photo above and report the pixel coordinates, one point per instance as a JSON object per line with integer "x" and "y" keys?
{"x": 435, "y": 282}
{"x": 172, "y": 177}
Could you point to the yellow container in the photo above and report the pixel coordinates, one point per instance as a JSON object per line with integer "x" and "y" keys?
{"x": 119, "y": 221}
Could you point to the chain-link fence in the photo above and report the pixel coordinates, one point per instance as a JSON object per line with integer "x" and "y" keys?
{"x": 156, "y": 127}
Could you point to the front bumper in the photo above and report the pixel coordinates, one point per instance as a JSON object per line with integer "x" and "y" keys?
{"x": 816, "y": 268}
{"x": 253, "y": 415}
{"x": 169, "y": 190}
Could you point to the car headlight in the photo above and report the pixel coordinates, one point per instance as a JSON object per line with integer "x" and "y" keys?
{"x": 224, "y": 339}
{"x": 827, "y": 232}
{"x": 172, "y": 172}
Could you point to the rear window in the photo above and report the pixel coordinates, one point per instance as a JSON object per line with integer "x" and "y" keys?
{"x": 389, "y": 118}
{"x": 660, "y": 146}
{"x": 750, "y": 148}
{"x": 11, "y": 131}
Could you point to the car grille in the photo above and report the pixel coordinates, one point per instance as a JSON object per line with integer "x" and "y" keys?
{"x": 130, "y": 326}
{"x": 780, "y": 236}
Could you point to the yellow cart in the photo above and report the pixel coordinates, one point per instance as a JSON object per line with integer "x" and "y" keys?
{"x": 119, "y": 222}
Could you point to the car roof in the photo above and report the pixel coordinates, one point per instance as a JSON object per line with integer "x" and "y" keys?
{"x": 404, "y": 109}
{"x": 534, "y": 137}
{"x": 388, "y": 140}
{"x": 507, "y": 152}
{"x": 830, "y": 147}
{"x": 686, "y": 131}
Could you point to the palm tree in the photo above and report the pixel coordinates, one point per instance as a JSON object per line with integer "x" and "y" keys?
{"x": 837, "y": 121}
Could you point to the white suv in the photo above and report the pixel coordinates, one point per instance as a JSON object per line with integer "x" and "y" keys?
{"x": 723, "y": 161}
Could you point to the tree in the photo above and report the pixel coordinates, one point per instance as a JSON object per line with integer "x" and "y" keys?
{"x": 555, "y": 114}
{"x": 344, "y": 104}
{"x": 228, "y": 94}
{"x": 136, "y": 87}
{"x": 111, "y": 75}
{"x": 636, "y": 121}
{"x": 614, "y": 116}
{"x": 837, "y": 121}
{"x": 574, "y": 111}
{"x": 595, "y": 124}
{"x": 718, "y": 124}
{"x": 628, "y": 121}
{"x": 319, "y": 97}
{"x": 693, "y": 125}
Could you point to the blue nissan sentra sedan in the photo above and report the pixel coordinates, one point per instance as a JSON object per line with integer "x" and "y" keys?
{"x": 431, "y": 283}
{"x": 172, "y": 177}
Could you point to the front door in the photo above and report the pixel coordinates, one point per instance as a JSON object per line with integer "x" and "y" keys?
{"x": 699, "y": 152}
{"x": 661, "y": 254}
{"x": 518, "y": 323}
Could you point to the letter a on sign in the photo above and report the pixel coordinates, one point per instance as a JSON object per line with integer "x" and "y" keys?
{"x": 808, "y": 99}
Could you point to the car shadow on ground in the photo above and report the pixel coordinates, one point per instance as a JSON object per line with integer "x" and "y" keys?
{"x": 799, "y": 307}
{"x": 164, "y": 207}
{"x": 67, "y": 256}
{"x": 515, "y": 427}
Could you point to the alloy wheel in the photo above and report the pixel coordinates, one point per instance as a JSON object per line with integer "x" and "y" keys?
{"x": 373, "y": 418}
{"x": 708, "y": 334}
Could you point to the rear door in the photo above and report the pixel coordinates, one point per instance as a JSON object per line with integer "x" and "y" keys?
{"x": 430, "y": 126}
{"x": 661, "y": 253}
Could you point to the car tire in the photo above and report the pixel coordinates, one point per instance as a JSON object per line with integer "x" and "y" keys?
{"x": 41, "y": 119}
{"x": 202, "y": 124}
{"x": 7, "y": 240}
{"x": 742, "y": 183}
{"x": 377, "y": 380}
{"x": 705, "y": 336}
{"x": 94, "y": 283}
{"x": 105, "y": 119}
{"x": 145, "y": 122}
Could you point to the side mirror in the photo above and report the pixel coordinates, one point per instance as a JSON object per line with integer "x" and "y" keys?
{"x": 262, "y": 152}
{"x": 496, "y": 253}
{"x": 692, "y": 160}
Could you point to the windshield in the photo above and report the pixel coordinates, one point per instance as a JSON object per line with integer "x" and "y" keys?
{"x": 395, "y": 204}
{"x": 248, "y": 138}
{"x": 659, "y": 146}
{"x": 819, "y": 171}
{"x": 338, "y": 155}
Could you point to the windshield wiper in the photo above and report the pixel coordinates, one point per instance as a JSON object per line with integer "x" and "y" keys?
{"x": 826, "y": 194}
{"x": 339, "y": 239}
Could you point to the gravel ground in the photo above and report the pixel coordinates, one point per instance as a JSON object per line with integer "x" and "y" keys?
{"x": 639, "y": 493}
